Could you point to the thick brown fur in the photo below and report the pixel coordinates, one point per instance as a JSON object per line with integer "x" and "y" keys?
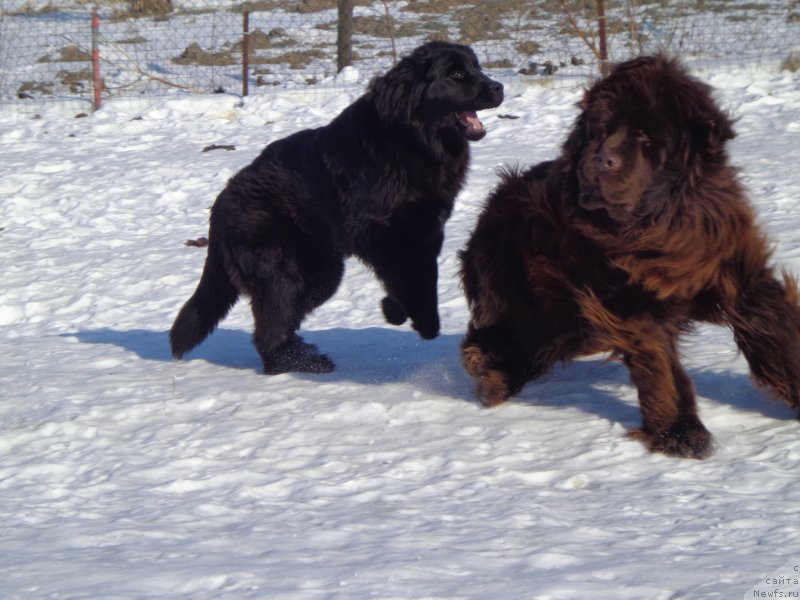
{"x": 637, "y": 230}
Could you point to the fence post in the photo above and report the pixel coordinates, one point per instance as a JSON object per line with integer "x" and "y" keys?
{"x": 97, "y": 81}
{"x": 245, "y": 52}
{"x": 601, "y": 33}
{"x": 344, "y": 38}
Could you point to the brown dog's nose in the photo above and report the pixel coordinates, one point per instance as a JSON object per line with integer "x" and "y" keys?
{"x": 608, "y": 160}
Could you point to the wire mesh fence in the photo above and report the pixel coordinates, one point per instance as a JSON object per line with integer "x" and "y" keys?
{"x": 147, "y": 48}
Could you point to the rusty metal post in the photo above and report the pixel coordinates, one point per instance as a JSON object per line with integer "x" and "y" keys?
{"x": 97, "y": 81}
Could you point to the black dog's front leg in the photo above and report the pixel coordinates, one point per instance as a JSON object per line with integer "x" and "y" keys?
{"x": 393, "y": 311}
{"x": 412, "y": 293}
{"x": 404, "y": 257}
{"x": 409, "y": 273}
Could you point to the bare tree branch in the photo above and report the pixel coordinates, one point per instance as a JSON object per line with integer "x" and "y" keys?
{"x": 589, "y": 38}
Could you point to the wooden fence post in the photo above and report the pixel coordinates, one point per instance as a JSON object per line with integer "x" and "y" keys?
{"x": 344, "y": 38}
{"x": 245, "y": 52}
{"x": 601, "y": 33}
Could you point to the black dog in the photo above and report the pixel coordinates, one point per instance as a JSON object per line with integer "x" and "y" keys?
{"x": 378, "y": 182}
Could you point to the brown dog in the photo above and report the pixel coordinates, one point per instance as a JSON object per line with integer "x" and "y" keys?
{"x": 638, "y": 229}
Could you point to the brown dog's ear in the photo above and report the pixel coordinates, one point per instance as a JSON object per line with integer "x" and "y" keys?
{"x": 708, "y": 136}
{"x": 577, "y": 137}
{"x": 719, "y": 131}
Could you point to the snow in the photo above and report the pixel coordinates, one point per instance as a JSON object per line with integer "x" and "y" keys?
{"x": 127, "y": 475}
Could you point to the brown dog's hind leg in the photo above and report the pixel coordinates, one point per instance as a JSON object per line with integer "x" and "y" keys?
{"x": 766, "y": 326}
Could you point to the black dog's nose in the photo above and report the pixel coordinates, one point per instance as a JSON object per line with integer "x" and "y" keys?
{"x": 496, "y": 87}
{"x": 496, "y": 90}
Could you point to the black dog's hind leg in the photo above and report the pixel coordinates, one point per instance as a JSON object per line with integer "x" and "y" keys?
{"x": 283, "y": 294}
{"x": 281, "y": 349}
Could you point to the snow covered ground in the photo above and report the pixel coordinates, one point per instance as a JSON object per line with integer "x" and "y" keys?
{"x": 126, "y": 475}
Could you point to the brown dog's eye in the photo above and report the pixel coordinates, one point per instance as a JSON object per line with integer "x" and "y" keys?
{"x": 457, "y": 75}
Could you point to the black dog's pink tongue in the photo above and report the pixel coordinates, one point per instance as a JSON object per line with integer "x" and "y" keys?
{"x": 470, "y": 120}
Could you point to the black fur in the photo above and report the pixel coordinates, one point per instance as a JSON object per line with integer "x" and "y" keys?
{"x": 378, "y": 182}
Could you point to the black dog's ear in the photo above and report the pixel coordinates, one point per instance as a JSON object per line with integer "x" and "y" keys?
{"x": 397, "y": 93}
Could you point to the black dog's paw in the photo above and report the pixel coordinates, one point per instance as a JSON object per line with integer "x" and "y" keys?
{"x": 393, "y": 311}
{"x": 296, "y": 356}
{"x": 427, "y": 330}
{"x": 687, "y": 438}
{"x": 395, "y": 314}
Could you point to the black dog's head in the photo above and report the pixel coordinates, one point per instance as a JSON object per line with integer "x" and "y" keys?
{"x": 438, "y": 82}
{"x": 647, "y": 130}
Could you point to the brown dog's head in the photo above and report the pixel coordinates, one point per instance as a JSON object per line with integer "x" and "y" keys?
{"x": 646, "y": 130}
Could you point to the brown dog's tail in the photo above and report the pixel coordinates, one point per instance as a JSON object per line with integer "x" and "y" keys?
{"x": 211, "y": 301}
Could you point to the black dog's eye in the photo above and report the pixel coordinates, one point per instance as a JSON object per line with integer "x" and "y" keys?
{"x": 643, "y": 139}
{"x": 458, "y": 75}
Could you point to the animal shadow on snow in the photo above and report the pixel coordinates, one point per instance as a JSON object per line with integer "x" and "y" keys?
{"x": 379, "y": 355}
{"x": 373, "y": 355}
{"x": 581, "y": 384}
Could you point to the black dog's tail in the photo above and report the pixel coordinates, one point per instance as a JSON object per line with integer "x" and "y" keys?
{"x": 211, "y": 301}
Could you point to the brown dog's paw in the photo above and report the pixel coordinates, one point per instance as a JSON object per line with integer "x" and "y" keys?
{"x": 492, "y": 389}
{"x": 474, "y": 361}
{"x": 688, "y": 438}
{"x": 491, "y": 385}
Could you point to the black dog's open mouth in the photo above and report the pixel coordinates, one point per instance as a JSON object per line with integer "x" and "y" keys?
{"x": 473, "y": 128}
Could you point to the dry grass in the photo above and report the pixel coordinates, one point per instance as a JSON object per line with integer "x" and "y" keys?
{"x": 792, "y": 63}
{"x": 296, "y": 59}
{"x": 195, "y": 55}
{"x": 71, "y": 53}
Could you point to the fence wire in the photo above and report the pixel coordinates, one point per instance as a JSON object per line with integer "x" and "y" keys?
{"x": 150, "y": 48}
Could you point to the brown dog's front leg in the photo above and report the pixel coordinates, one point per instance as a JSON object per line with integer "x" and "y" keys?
{"x": 670, "y": 424}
